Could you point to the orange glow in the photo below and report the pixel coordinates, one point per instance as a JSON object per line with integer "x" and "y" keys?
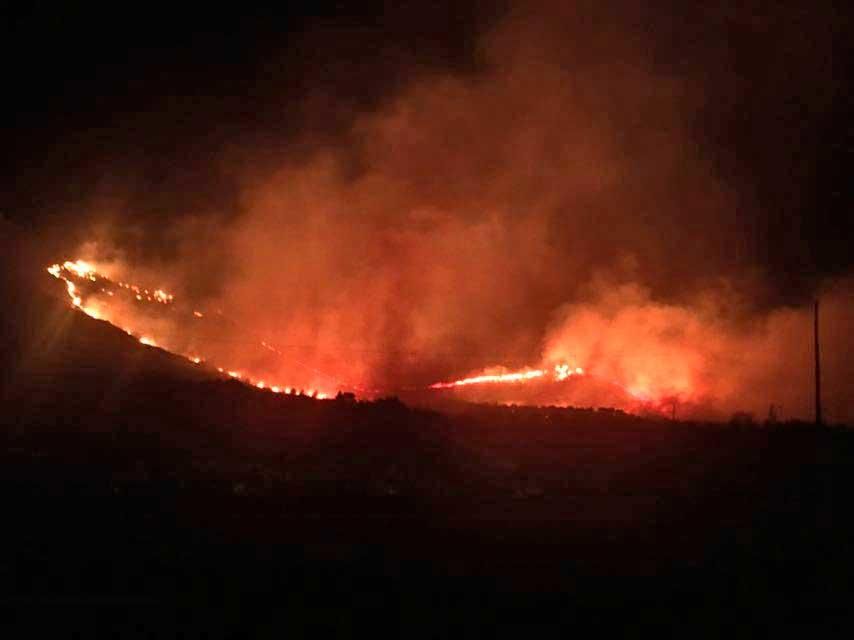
{"x": 148, "y": 342}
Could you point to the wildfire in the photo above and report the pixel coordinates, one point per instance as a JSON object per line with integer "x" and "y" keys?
{"x": 79, "y": 274}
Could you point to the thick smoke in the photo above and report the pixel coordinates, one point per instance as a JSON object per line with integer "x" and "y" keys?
{"x": 557, "y": 204}
{"x": 708, "y": 359}
{"x": 456, "y": 218}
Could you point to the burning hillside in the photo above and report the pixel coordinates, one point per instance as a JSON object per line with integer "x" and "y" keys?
{"x": 563, "y": 197}
{"x": 152, "y": 315}
{"x": 623, "y": 351}
{"x": 140, "y": 313}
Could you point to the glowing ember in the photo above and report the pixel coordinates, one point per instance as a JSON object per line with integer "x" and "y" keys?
{"x": 163, "y": 297}
{"x": 562, "y": 371}
{"x": 71, "y": 271}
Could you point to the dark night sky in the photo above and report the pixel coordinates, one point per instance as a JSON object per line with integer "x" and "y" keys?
{"x": 152, "y": 92}
{"x": 148, "y": 96}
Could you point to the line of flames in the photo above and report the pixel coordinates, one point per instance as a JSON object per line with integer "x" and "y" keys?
{"x": 560, "y": 372}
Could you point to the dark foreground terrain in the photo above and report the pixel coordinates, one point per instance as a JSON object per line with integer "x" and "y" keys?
{"x": 141, "y": 493}
{"x": 407, "y": 520}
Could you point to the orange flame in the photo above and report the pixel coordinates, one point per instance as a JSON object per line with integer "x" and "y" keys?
{"x": 561, "y": 372}
{"x": 517, "y": 376}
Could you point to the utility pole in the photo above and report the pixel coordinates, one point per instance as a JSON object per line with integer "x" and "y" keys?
{"x": 818, "y": 420}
